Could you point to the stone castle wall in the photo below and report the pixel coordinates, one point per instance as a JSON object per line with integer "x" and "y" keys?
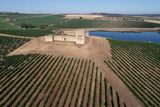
{"x": 77, "y": 36}
{"x": 65, "y": 38}
{"x": 83, "y": 16}
{"x": 80, "y": 36}
{"x": 49, "y": 38}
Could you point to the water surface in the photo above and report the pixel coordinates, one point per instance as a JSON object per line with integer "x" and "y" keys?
{"x": 152, "y": 37}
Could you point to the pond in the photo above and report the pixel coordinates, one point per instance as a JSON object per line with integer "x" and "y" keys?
{"x": 151, "y": 37}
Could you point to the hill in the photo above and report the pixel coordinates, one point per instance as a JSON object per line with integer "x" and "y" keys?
{"x": 15, "y": 23}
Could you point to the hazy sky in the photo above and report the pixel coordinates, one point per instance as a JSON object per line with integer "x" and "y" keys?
{"x": 81, "y": 6}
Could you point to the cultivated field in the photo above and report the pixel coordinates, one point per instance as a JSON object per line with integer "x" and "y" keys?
{"x": 10, "y": 28}
{"x": 6, "y": 25}
{"x": 82, "y": 23}
{"x": 42, "y": 24}
{"x": 152, "y": 19}
{"x": 138, "y": 66}
{"x": 8, "y": 44}
{"x": 40, "y": 20}
{"x": 57, "y": 81}
{"x": 59, "y": 21}
{"x": 27, "y": 32}
{"x": 95, "y": 48}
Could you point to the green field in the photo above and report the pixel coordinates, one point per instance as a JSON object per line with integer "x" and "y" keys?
{"x": 78, "y": 23}
{"x": 153, "y": 18}
{"x": 48, "y": 21}
{"x": 27, "y": 33}
{"x": 8, "y": 44}
{"x": 20, "y": 16}
{"x": 58, "y": 21}
{"x": 138, "y": 66}
{"x": 40, "y": 20}
{"x": 34, "y": 19}
{"x": 6, "y": 25}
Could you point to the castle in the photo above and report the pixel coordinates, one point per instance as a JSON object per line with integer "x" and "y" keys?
{"x": 68, "y": 35}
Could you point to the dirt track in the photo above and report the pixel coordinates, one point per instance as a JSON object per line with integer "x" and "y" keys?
{"x": 96, "y": 49}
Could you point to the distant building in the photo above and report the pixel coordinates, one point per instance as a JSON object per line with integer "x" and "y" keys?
{"x": 83, "y": 16}
{"x": 133, "y": 18}
{"x": 102, "y": 17}
{"x": 111, "y": 18}
{"x": 68, "y": 35}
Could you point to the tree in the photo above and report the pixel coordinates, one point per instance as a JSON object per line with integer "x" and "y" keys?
{"x": 80, "y": 18}
{"x": 45, "y": 26}
{"x": 27, "y": 26}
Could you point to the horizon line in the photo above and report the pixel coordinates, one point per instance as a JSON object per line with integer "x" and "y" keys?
{"x": 79, "y": 13}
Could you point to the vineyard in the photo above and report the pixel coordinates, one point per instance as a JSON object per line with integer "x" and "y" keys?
{"x": 27, "y": 32}
{"x": 37, "y": 80}
{"x": 138, "y": 66}
{"x": 8, "y": 44}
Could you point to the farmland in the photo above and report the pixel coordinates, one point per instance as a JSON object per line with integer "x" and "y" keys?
{"x": 42, "y": 24}
{"x": 9, "y": 28}
{"x": 58, "y": 21}
{"x": 40, "y": 20}
{"x": 8, "y": 44}
{"x": 82, "y": 23}
{"x": 45, "y": 80}
{"x": 138, "y": 66}
{"x": 101, "y": 72}
{"x": 27, "y": 32}
{"x": 6, "y": 25}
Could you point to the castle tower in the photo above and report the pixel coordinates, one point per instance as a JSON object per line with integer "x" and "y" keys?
{"x": 49, "y": 37}
{"x": 80, "y": 36}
